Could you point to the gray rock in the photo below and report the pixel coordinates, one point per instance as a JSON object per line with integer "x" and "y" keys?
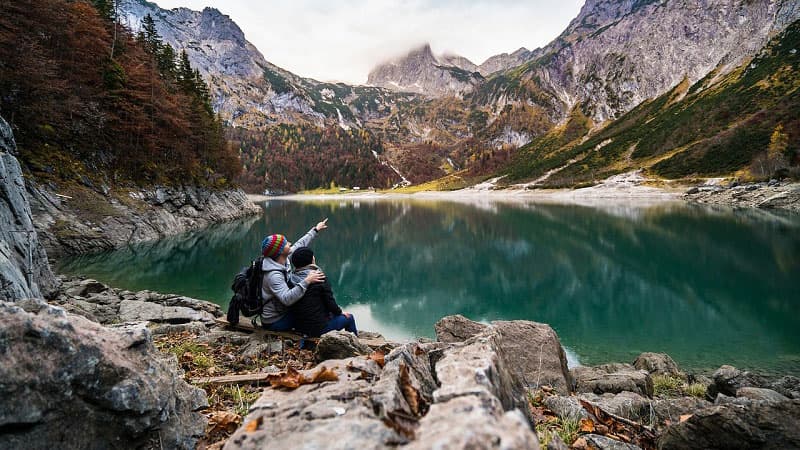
{"x": 427, "y": 395}
{"x": 535, "y": 353}
{"x": 139, "y": 220}
{"x": 759, "y": 425}
{"x": 135, "y": 311}
{"x": 612, "y": 379}
{"x": 339, "y": 344}
{"x": 319, "y": 414}
{"x": 196, "y": 328}
{"x": 480, "y": 367}
{"x": 566, "y": 408}
{"x": 24, "y": 267}
{"x": 625, "y": 404}
{"x": 668, "y": 411}
{"x": 595, "y": 441}
{"x": 256, "y": 349}
{"x": 456, "y": 328}
{"x": 760, "y": 394}
{"x": 728, "y": 379}
{"x": 474, "y": 422}
{"x": 693, "y": 190}
{"x": 96, "y": 388}
{"x": 89, "y": 286}
{"x": 788, "y": 386}
{"x": 658, "y": 364}
{"x": 723, "y": 399}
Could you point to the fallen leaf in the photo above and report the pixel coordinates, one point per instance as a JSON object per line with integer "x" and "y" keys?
{"x": 223, "y": 421}
{"x": 587, "y": 426}
{"x": 379, "y": 357}
{"x": 291, "y": 378}
{"x": 253, "y": 425}
{"x": 410, "y": 393}
{"x": 323, "y": 375}
{"x": 685, "y": 417}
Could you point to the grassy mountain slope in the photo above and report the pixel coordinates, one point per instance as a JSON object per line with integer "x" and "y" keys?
{"x": 715, "y": 127}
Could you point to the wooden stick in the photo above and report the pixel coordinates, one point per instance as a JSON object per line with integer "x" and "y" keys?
{"x": 247, "y": 378}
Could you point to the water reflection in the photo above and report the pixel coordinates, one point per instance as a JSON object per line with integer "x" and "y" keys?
{"x": 707, "y": 286}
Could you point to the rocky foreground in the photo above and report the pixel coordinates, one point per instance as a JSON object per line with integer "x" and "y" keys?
{"x": 766, "y": 195}
{"x": 147, "y": 370}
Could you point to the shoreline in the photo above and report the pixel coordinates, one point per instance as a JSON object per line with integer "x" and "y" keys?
{"x": 772, "y": 196}
{"x": 591, "y": 195}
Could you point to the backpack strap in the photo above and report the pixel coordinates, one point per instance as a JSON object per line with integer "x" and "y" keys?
{"x": 285, "y": 276}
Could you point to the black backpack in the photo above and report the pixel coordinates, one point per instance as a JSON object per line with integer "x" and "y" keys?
{"x": 246, "y": 287}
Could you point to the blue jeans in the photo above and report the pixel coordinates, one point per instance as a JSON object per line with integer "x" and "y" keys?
{"x": 341, "y": 322}
{"x": 285, "y": 323}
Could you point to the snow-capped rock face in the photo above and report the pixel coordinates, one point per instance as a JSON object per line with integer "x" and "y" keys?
{"x": 421, "y": 72}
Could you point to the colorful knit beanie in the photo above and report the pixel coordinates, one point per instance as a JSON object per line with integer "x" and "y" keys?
{"x": 272, "y": 245}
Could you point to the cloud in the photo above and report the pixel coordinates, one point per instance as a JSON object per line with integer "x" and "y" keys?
{"x": 344, "y": 40}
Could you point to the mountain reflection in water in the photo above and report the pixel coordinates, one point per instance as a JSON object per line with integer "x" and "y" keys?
{"x": 707, "y": 286}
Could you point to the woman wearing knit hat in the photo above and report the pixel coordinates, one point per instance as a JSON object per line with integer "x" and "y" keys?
{"x": 275, "y": 289}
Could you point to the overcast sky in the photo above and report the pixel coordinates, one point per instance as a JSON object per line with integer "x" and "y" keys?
{"x": 342, "y": 40}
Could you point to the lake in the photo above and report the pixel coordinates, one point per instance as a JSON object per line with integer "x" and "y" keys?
{"x": 707, "y": 286}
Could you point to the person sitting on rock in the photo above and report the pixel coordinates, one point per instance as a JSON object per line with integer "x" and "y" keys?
{"x": 317, "y": 312}
{"x": 275, "y": 290}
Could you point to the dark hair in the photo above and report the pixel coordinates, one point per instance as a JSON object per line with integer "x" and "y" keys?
{"x": 302, "y": 257}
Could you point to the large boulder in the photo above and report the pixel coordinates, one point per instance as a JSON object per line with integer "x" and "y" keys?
{"x": 612, "y": 378}
{"x": 535, "y": 353}
{"x": 658, "y": 364}
{"x": 457, "y": 328}
{"x": 24, "y": 268}
{"x": 760, "y": 425}
{"x": 533, "y": 349}
{"x": 728, "y": 379}
{"x": 73, "y": 382}
{"x": 438, "y": 395}
{"x": 339, "y": 344}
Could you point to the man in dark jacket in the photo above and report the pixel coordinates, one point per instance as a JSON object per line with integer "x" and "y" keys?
{"x": 316, "y": 312}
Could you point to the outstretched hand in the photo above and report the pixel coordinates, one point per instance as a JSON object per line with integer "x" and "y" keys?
{"x": 322, "y": 225}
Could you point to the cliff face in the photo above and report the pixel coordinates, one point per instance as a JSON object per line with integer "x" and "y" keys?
{"x": 249, "y": 91}
{"x": 24, "y": 269}
{"x": 616, "y": 54}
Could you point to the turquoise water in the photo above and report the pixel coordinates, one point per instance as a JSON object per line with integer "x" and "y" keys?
{"x": 709, "y": 287}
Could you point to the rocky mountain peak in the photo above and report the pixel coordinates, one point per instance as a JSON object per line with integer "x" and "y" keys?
{"x": 421, "y": 72}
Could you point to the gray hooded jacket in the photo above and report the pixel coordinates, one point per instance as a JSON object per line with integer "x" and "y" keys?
{"x": 274, "y": 289}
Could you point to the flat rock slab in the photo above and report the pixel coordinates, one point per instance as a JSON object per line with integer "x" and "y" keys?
{"x": 612, "y": 378}
{"x": 136, "y": 311}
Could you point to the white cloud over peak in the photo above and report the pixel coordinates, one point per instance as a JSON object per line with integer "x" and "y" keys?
{"x": 345, "y": 39}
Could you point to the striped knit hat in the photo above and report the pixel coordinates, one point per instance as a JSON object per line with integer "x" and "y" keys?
{"x": 272, "y": 245}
